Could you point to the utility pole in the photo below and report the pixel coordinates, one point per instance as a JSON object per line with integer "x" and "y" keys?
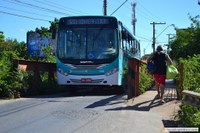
{"x": 133, "y": 17}
{"x": 169, "y": 41}
{"x": 105, "y": 7}
{"x": 154, "y": 38}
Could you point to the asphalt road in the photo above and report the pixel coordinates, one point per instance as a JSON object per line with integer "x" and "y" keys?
{"x": 89, "y": 112}
{"x": 55, "y": 114}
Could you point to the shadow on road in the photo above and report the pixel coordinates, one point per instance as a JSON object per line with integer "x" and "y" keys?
{"x": 106, "y": 101}
{"x": 143, "y": 106}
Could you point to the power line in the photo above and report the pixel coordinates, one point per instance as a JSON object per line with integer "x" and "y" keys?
{"x": 47, "y": 3}
{"x": 148, "y": 16}
{"x": 13, "y": 2}
{"x": 39, "y": 7}
{"x": 64, "y": 7}
{"x": 165, "y": 29}
{"x": 149, "y": 12}
{"x": 25, "y": 11}
{"x": 148, "y": 40}
{"x": 57, "y": 6}
{"x": 118, "y": 7}
{"x": 23, "y": 16}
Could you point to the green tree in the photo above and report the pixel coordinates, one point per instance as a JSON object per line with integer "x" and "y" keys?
{"x": 54, "y": 27}
{"x": 187, "y": 42}
{"x": 10, "y": 82}
{"x": 44, "y": 32}
{"x": 47, "y": 32}
{"x": 2, "y": 37}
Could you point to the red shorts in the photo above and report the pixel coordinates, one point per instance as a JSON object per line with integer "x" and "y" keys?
{"x": 160, "y": 79}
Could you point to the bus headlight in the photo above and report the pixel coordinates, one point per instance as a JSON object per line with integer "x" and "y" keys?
{"x": 62, "y": 72}
{"x": 112, "y": 71}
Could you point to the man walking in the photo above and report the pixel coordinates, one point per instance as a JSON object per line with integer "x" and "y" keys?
{"x": 160, "y": 59}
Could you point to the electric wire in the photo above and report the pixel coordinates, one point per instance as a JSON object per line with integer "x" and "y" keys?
{"x": 154, "y": 17}
{"x": 64, "y": 7}
{"x": 148, "y": 16}
{"x": 41, "y": 8}
{"x": 143, "y": 15}
{"x": 118, "y": 7}
{"x": 57, "y": 6}
{"x": 23, "y": 16}
{"x": 25, "y": 11}
{"x": 148, "y": 40}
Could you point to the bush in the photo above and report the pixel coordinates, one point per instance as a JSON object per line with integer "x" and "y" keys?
{"x": 42, "y": 87}
{"x": 191, "y": 73}
{"x": 9, "y": 79}
{"x": 189, "y": 115}
{"x": 146, "y": 80}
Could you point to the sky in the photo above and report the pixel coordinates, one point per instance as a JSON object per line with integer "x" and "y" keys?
{"x": 20, "y": 16}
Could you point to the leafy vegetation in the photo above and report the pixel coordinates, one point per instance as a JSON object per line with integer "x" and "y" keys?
{"x": 191, "y": 73}
{"x": 187, "y": 42}
{"x": 10, "y": 83}
{"x": 186, "y": 49}
{"x": 189, "y": 115}
{"x": 44, "y": 86}
{"x": 146, "y": 80}
{"x": 15, "y": 82}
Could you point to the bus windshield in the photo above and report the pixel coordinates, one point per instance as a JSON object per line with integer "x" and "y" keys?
{"x": 87, "y": 43}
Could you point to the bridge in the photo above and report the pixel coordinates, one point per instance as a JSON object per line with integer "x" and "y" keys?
{"x": 133, "y": 79}
{"x": 164, "y": 114}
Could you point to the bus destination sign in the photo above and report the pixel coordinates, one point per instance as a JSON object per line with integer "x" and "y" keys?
{"x": 87, "y": 21}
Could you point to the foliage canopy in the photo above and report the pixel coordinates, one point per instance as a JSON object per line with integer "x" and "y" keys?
{"x": 187, "y": 42}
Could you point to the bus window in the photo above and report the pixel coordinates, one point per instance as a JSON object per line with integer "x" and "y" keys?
{"x": 107, "y": 44}
{"x": 87, "y": 43}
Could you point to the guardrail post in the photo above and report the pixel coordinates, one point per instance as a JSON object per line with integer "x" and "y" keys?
{"x": 137, "y": 80}
{"x": 133, "y": 77}
{"x": 36, "y": 76}
{"x": 180, "y": 88}
{"x": 191, "y": 97}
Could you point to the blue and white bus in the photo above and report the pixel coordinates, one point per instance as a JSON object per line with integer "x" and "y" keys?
{"x": 93, "y": 50}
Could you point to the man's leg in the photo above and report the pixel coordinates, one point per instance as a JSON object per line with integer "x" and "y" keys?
{"x": 162, "y": 88}
{"x": 156, "y": 78}
{"x": 158, "y": 89}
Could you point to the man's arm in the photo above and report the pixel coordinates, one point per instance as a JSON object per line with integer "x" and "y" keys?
{"x": 169, "y": 60}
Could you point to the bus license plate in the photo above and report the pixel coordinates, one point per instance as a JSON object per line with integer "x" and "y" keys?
{"x": 86, "y": 80}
